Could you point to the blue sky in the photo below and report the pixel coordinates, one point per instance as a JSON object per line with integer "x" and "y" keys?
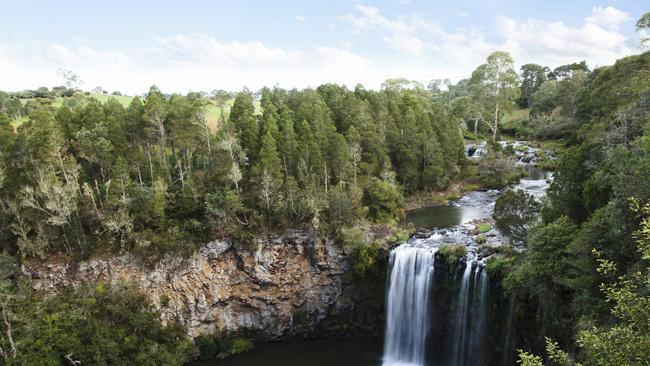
{"x": 205, "y": 45}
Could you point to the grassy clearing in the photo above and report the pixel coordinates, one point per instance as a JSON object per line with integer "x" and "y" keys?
{"x": 214, "y": 115}
{"x": 516, "y": 116}
{"x": 103, "y": 98}
{"x": 213, "y": 111}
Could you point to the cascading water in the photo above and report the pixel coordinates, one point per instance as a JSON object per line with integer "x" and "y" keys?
{"x": 507, "y": 344}
{"x": 460, "y": 329}
{"x": 442, "y": 318}
{"x": 407, "y": 308}
{"x": 409, "y": 305}
{"x": 479, "y": 321}
{"x": 470, "y": 322}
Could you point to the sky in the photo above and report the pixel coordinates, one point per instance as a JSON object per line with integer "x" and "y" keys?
{"x": 205, "y": 45}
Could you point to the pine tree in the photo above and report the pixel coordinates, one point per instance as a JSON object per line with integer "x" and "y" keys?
{"x": 244, "y": 120}
{"x": 287, "y": 143}
{"x": 339, "y": 159}
{"x": 268, "y": 172}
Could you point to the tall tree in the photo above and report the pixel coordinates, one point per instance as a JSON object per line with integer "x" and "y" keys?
{"x": 155, "y": 112}
{"x": 268, "y": 172}
{"x": 566, "y": 71}
{"x": 497, "y": 83}
{"x": 287, "y": 143}
{"x": 643, "y": 25}
{"x": 532, "y": 77}
{"x": 244, "y": 120}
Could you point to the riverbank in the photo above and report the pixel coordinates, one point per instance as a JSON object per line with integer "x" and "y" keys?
{"x": 438, "y": 198}
{"x": 523, "y": 156}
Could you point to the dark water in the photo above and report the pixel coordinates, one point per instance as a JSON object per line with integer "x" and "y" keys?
{"x": 443, "y": 216}
{"x": 319, "y": 352}
{"x": 475, "y": 205}
{"x": 534, "y": 172}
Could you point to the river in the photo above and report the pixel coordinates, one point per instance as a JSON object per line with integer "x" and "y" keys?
{"x": 451, "y": 223}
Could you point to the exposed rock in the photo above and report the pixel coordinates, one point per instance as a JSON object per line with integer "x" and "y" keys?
{"x": 286, "y": 286}
{"x": 486, "y": 250}
{"x": 423, "y": 233}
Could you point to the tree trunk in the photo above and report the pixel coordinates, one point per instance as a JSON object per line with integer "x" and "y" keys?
{"x": 179, "y": 164}
{"x": 326, "y": 178}
{"x": 496, "y": 121}
{"x": 8, "y": 330}
{"x": 207, "y": 136}
{"x": 137, "y": 165}
{"x": 150, "y": 161}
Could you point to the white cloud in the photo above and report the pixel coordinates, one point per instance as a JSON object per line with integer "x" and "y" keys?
{"x": 300, "y": 18}
{"x": 609, "y": 17}
{"x": 597, "y": 40}
{"x": 181, "y": 63}
{"x": 554, "y": 43}
{"x": 458, "y": 13}
{"x": 202, "y": 62}
{"x": 399, "y": 33}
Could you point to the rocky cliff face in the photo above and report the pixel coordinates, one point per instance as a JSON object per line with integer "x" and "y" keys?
{"x": 287, "y": 286}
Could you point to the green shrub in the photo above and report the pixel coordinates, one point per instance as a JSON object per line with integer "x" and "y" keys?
{"x": 98, "y": 325}
{"x": 361, "y": 251}
{"x": 164, "y": 300}
{"x": 496, "y": 267}
{"x": 495, "y": 171}
{"x": 521, "y": 148}
{"x": 213, "y": 346}
{"x": 452, "y": 254}
{"x": 240, "y": 345}
{"x": 483, "y": 228}
{"x": 399, "y": 236}
{"x": 207, "y": 346}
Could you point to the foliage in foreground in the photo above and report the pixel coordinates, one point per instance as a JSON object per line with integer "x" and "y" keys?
{"x": 101, "y": 325}
{"x": 628, "y": 340}
{"x": 594, "y": 307}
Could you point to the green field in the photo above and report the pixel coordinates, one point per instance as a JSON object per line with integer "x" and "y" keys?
{"x": 212, "y": 113}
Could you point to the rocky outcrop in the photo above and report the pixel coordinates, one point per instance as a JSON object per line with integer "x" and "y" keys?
{"x": 288, "y": 285}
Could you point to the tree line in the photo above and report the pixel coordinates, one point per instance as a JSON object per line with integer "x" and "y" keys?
{"x": 155, "y": 174}
{"x": 582, "y": 284}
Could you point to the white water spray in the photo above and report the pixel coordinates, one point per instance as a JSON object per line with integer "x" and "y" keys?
{"x": 407, "y": 312}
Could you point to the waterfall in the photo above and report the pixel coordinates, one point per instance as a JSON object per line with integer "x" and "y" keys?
{"x": 479, "y": 322}
{"x": 460, "y": 329}
{"x": 507, "y": 346}
{"x": 410, "y": 306}
{"x": 470, "y": 323}
{"x": 407, "y": 305}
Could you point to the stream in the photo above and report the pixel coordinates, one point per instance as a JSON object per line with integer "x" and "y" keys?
{"x": 463, "y": 324}
{"x": 430, "y": 320}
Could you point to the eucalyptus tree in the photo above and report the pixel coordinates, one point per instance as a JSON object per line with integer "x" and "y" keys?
{"x": 495, "y": 83}
{"x": 643, "y": 25}
{"x": 155, "y": 113}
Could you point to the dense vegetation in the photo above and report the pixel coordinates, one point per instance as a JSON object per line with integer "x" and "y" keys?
{"x": 99, "y": 324}
{"x": 583, "y": 281}
{"x": 151, "y": 176}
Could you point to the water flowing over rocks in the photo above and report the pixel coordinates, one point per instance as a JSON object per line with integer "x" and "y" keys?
{"x": 454, "y": 290}
{"x": 287, "y": 286}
